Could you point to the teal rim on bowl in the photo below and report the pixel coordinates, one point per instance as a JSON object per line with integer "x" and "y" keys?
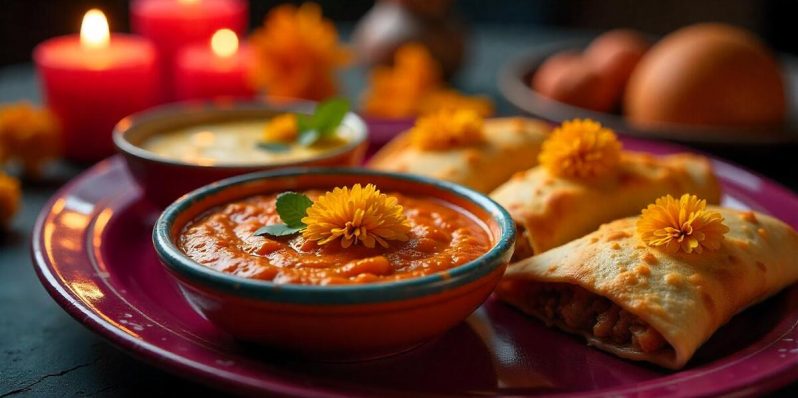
{"x": 181, "y": 264}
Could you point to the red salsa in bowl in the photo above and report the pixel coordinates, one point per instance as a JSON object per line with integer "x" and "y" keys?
{"x": 441, "y": 237}
{"x": 335, "y": 263}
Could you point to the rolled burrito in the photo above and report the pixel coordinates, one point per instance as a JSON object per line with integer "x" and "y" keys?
{"x": 645, "y": 303}
{"x": 505, "y": 146}
{"x": 550, "y": 210}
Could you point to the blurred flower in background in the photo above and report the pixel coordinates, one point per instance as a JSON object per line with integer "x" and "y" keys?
{"x": 296, "y": 53}
{"x": 395, "y": 91}
{"x": 414, "y": 86}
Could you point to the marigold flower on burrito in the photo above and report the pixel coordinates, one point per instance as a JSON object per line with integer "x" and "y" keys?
{"x": 655, "y": 287}
{"x": 459, "y": 146}
{"x": 585, "y": 179}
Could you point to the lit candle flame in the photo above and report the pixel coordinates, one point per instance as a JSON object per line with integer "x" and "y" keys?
{"x": 94, "y": 32}
{"x": 224, "y": 43}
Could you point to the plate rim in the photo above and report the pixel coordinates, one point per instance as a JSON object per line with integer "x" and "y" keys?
{"x": 786, "y": 372}
{"x": 142, "y": 350}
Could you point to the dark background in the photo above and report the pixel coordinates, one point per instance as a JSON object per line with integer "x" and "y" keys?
{"x": 24, "y": 23}
{"x": 43, "y": 352}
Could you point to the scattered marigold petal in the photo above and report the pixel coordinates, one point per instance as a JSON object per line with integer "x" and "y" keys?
{"x": 281, "y": 128}
{"x": 28, "y": 135}
{"x": 356, "y": 215}
{"x": 447, "y": 129}
{"x": 581, "y": 148}
{"x": 681, "y": 224}
{"x": 9, "y": 198}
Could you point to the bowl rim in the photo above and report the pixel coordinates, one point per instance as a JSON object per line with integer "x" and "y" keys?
{"x": 181, "y": 110}
{"x": 511, "y": 81}
{"x": 176, "y": 261}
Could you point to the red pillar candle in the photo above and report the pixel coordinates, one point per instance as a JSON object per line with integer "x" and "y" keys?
{"x": 214, "y": 69}
{"x": 172, "y": 24}
{"x": 93, "y": 80}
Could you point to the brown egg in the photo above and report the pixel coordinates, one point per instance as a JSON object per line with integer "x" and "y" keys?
{"x": 568, "y": 78}
{"x": 550, "y": 70}
{"x": 707, "y": 74}
{"x": 615, "y": 54}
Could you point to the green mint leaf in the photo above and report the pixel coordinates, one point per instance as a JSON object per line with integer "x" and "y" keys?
{"x": 329, "y": 115}
{"x": 308, "y": 134}
{"x": 292, "y": 207}
{"x": 326, "y": 118}
{"x": 276, "y": 230}
{"x": 304, "y": 122}
{"x": 274, "y": 146}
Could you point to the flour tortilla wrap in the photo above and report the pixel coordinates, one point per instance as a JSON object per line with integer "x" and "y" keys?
{"x": 510, "y": 145}
{"x": 685, "y": 298}
{"x": 551, "y": 210}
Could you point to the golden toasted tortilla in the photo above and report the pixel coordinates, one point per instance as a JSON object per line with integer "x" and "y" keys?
{"x": 550, "y": 210}
{"x": 511, "y": 144}
{"x": 642, "y": 303}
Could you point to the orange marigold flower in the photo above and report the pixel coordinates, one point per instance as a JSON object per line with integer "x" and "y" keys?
{"x": 684, "y": 224}
{"x": 28, "y": 135}
{"x": 441, "y": 99}
{"x": 580, "y": 148}
{"x": 296, "y": 53}
{"x": 396, "y": 91}
{"x": 9, "y": 198}
{"x": 447, "y": 129}
{"x": 356, "y": 215}
{"x": 281, "y": 128}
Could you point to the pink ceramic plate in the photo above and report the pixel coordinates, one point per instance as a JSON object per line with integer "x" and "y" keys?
{"x": 93, "y": 252}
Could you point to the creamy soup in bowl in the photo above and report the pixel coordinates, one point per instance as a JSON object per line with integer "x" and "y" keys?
{"x": 237, "y": 143}
{"x": 174, "y": 149}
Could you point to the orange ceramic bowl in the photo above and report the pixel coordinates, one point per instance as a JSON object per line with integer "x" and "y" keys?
{"x": 165, "y": 179}
{"x": 336, "y": 321}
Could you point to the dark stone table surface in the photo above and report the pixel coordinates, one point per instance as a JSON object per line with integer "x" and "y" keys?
{"x": 44, "y": 352}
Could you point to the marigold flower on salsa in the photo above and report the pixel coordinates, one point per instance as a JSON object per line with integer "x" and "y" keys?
{"x": 356, "y": 215}
{"x": 396, "y": 91}
{"x": 281, "y": 128}
{"x": 580, "y": 148}
{"x": 296, "y": 53}
{"x": 681, "y": 224}
{"x": 28, "y": 135}
{"x": 9, "y": 198}
{"x": 447, "y": 129}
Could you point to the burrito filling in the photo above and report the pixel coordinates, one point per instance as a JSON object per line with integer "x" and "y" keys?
{"x": 523, "y": 247}
{"x": 576, "y": 310}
